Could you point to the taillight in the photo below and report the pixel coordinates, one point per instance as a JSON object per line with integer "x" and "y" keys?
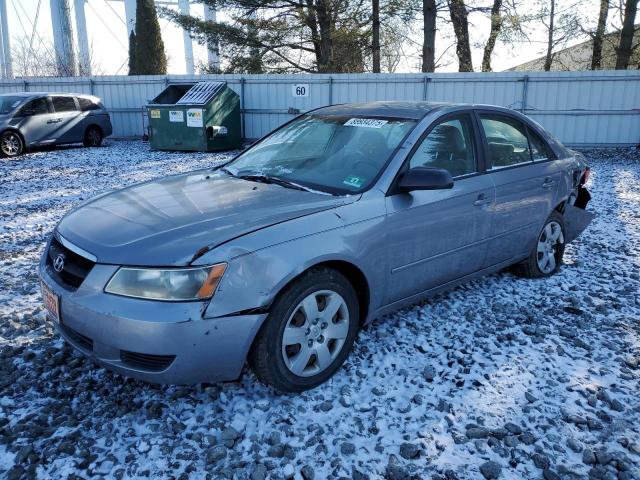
{"x": 585, "y": 177}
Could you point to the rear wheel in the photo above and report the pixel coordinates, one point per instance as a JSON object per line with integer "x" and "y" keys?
{"x": 93, "y": 137}
{"x": 309, "y": 332}
{"x": 11, "y": 144}
{"x": 546, "y": 257}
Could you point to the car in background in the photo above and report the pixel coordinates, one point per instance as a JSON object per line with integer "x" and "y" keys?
{"x": 279, "y": 256}
{"x": 29, "y": 119}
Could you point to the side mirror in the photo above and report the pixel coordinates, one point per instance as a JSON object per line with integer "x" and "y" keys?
{"x": 425, "y": 178}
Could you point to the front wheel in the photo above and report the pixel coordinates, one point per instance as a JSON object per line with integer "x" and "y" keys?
{"x": 11, "y": 144}
{"x": 546, "y": 257}
{"x": 93, "y": 137}
{"x": 309, "y": 332}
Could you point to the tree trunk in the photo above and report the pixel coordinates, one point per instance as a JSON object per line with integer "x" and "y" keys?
{"x": 375, "y": 44}
{"x": 429, "y": 40}
{"x": 496, "y": 26}
{"x": 325, "y": 59}
{"x": 549, "y": 58}
{"x": 458, "y": 12}
{"x": 596, "y": 57}
{"x": 625, "y": 46}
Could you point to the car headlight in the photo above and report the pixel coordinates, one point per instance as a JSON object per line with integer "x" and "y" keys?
{"x": 171, "y": 284}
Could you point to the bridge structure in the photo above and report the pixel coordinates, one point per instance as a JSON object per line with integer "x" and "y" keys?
{"x": 71, "y": 39}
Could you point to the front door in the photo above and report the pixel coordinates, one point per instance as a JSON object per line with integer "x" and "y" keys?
{"x": 35, "y": 121}
{"x": 439, "y": 236}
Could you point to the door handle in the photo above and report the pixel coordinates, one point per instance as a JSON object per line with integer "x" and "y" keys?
{"x": 548, "y": 182}
{"x": 482, "y": 200}
{"x": 57, "y": 120}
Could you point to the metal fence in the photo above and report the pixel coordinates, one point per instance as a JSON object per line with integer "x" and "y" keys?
{"x": 580, "y": 108}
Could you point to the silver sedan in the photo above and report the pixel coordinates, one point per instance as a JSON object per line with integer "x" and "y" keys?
{"x": 278, "y": 257}
{"x": 29, "y": 119}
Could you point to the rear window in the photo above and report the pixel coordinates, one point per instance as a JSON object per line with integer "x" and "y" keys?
{"x": 87, "y": 104}
{"x": 507, "y": 141}
{"x": 64, "y": 104}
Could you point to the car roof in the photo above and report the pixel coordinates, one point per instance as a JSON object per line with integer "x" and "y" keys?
{"x": 392, "y": 109}
{"x": 414, "y": 110}
{"x": 41, "y": 94}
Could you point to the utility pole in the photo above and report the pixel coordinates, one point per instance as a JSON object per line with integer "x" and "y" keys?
{"x": 130, "y": 14}
{"x": 63, "y": 38}
{"x": 213, "y": 49}
{"x": 188, "y": 45}
{"x": 5, "y": 43}
{"x": 83, "y": 39}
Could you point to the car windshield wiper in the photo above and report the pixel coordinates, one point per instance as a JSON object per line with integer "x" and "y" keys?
{"x": 268, "y": 179}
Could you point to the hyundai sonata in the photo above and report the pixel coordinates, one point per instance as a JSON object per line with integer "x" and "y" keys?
{"x": 279, "y": 256}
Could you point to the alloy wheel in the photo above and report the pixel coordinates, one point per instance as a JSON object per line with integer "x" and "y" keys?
{"x": 11, "y": 144}
{"x": 94, "y": 137}
{"x": 548, "y": 241}
{"x": 315, "y": 333}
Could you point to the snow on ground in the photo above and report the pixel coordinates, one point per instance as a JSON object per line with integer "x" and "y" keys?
{"x": 503, "y": 377}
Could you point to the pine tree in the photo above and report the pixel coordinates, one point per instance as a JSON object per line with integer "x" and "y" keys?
{"x": 146, "y": 48}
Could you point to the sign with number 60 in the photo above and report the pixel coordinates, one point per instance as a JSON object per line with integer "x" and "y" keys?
{"x": 300, "y": 90}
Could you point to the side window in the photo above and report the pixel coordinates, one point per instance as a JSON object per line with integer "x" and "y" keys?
{"x": 87, "y": 104}
{"x": 448, "y": 145}
{"x": 539, "y": 148}
{"x": 35, "y": 107}
{"x": 507, "y": 141}
{"x": 64, "y": 104}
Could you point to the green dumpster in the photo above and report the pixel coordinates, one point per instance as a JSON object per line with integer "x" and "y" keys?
{"x": 202, "y": 116}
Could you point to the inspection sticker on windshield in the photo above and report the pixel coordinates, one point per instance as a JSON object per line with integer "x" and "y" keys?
{"x": 353, "y": 181}
{"x": 365, "y": 122}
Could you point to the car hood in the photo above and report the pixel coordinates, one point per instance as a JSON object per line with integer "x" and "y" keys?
{"x": 168, "y": 222}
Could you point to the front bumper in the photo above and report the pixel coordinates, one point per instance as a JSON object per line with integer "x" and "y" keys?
{"x": 158, "y": 342}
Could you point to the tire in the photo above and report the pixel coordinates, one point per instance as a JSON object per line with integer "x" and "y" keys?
{"x": 324, "y": 343}
{"x": 11, "y": 144}
{"x": 546, "y": 256}
{"x": 92, "y": 137}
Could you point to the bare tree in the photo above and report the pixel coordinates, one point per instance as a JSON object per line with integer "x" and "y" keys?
{"x": 551, "y": 26}
{"x": 561, "y": 25}
{"x": 496, "y": 26}
{"x": 598, "y": 36}
{"x": 429, "y": 15}
{"x": 625, "y": 47}
{"x": 375, "y": 34}
{"x": 459, "y": 19}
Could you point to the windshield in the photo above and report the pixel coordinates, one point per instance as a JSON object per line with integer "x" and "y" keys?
{"x": 8, "y": 104}
{"x": 331, "y": 153}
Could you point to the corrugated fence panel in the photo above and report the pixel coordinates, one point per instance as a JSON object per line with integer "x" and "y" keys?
{"x": 580, "y": 108}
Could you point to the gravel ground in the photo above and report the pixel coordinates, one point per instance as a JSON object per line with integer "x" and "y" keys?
{"x": 501, "y": 378}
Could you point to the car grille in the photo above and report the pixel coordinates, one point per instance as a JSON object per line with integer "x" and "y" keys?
{"x": 76, "y": 267}
{"x": 144, "y": 361}
{"x": 77, "y": 338}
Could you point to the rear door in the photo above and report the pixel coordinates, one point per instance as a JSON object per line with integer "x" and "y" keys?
{"x": 525, "y": 179}
{"x": 67, "y": 119}
{"x": 437, "y": 236}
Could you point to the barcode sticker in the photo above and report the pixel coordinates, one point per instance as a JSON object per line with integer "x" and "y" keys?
{"x": 365, "y": 122}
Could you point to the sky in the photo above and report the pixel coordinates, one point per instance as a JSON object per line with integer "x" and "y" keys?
{"x": 108, "y": 38}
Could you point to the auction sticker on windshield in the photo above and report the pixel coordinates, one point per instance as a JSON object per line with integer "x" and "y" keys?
{"x": 365, "y": 122}
{"x": 353, "y": 181}
{"x": 51, "y": 302}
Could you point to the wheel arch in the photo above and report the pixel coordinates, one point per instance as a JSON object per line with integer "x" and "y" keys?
{"x": 351, "y": 271}
{"x": 93, "y": 125}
